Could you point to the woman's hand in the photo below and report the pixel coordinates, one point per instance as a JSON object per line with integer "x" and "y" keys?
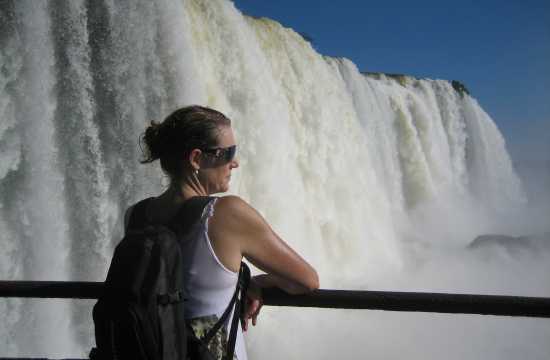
{"x": 253, "y": 304}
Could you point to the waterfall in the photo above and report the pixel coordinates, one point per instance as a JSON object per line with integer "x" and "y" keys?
{"x": 379, "y": 181}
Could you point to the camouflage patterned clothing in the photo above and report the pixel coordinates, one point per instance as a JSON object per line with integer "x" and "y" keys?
{"x": 218, "y": 344}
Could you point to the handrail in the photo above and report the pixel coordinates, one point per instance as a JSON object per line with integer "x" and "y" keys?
{"x": 52, "y": 289}
{"x": 415, "y": 301}
{"x": 342, "y": 299}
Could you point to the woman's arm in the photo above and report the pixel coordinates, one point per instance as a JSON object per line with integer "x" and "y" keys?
{"x": 272, "y": 280}
{"x": 242, "y": 226}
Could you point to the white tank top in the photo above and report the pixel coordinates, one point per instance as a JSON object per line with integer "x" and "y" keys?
{"x": 208, "y": 283}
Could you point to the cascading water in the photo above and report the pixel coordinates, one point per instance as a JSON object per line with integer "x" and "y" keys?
{"x": 380, "y": 182}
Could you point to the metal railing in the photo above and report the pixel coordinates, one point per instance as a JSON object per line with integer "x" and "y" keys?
{"x": 341, "y": 299}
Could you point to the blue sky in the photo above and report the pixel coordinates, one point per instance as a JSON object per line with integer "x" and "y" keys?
{"x": 499, "y": 49}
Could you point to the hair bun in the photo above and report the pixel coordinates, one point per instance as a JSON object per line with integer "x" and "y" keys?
{"x": 153, "y": 142}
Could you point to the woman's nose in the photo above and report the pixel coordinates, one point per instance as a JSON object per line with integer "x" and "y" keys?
{"x": 235, "y": 163}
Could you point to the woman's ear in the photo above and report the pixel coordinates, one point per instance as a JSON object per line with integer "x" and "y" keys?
{"x": 195, "y": 159}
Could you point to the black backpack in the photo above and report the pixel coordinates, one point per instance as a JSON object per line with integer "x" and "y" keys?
{"x": 141, "y": 314}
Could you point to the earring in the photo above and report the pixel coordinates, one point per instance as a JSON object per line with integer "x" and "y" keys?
{"x": 197, "y": 172}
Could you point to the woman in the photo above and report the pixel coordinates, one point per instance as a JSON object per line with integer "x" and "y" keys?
{"x": 196, "y": 148}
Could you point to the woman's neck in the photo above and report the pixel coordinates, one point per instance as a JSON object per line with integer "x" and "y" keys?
{"x": 178, "y": 193}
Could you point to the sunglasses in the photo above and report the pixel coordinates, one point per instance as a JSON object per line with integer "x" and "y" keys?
{"x": 222, "y": 154}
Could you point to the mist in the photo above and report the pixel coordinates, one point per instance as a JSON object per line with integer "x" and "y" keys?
{"x": 530, "y": 150}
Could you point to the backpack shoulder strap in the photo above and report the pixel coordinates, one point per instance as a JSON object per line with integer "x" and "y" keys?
{"x": 189, "y": 213}
{"x": 237, "y": 306}
{"x": 135, "y": 217}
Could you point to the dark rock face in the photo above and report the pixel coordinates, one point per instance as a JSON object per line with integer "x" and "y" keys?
{"x": 460, "y": 87}
{"x": 402, "y": 79}
{"x": 533, "y": 243}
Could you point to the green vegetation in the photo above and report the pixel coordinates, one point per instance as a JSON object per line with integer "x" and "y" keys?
{"x": 459, "y": 87}
{"x": 400, "y": 78}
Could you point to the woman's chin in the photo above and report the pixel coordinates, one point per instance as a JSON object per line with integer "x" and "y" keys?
{"x": 223, "y": 188}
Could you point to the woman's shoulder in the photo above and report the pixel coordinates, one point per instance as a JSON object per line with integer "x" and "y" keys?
{"x": 231, "y": 204}
{"x": 234, "y": 209}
